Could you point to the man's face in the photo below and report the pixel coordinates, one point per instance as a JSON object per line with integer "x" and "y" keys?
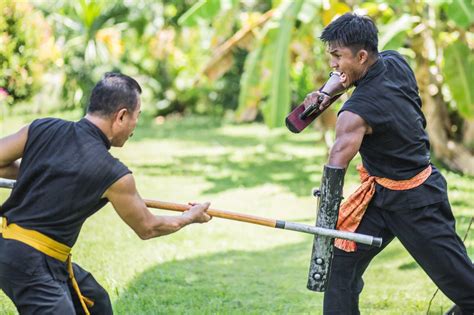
{"x": 127, "y": 126}
{"x": 348, "y": 64}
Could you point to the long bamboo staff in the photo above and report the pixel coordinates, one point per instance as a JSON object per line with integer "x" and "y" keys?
{"x": 279, "y": 224}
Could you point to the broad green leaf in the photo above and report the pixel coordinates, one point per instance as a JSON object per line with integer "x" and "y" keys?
{"x": 250, "y": 87}
{"x": 392, "y": 34}
{"x": 255, "y": 79}
{"x": 458, "y": 72}
{"x": 204, "y": 9}
{"x": 461, "y": 12}
{"x": 278, "y": 105}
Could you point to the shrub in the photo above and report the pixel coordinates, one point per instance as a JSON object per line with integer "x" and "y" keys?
{"x": 27, "y": 49}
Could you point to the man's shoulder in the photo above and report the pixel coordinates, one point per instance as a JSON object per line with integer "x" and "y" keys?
{"x": 43, "y": 126}
{"x": 395, "y": 58}
{"x": 51, "y": 120}
{"x": 48, "y": 122}
{"x": 362, "y": 96}
{"x": 387, "y": 54}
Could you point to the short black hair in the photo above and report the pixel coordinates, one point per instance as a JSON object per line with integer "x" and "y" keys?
{"x": 353, "y": 31}
{"x": 114, "y": 92}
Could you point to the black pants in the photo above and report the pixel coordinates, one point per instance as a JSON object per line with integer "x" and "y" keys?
{"x": 428, "y": 233}
{"x": 38, "y": 289}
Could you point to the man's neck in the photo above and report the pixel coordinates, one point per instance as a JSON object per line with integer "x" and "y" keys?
{"x": 102, "y": 123}
{"x": 370, "y": 62}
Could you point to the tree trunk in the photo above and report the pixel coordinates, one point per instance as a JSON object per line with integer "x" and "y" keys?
{"x": 454, "y": 154}
{"x": 468, "y": 134}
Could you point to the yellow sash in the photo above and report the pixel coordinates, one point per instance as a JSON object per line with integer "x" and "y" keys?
{"x": 47, "y": 246}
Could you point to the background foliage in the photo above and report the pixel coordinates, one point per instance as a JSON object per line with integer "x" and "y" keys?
{"x": 177, "y": 48}
{"x": 233, "y": 62}
{"x": 251, "y": 60}
{"x": 27, "y": 50}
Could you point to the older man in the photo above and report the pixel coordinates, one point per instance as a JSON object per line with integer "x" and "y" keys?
{"x": 65, "y": 176}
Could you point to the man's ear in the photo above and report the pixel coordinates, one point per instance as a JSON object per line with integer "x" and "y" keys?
{"x": 362, "y": 56}
{"x": 119, "y": 116}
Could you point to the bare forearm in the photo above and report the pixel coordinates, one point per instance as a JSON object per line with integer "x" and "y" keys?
{"x": 164, "y": 225}
{"x": 341, "y": 154}
{"x": 132, "y": 209}
{"x": 10, "y": 171}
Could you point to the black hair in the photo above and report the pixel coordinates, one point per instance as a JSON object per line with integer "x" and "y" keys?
{"x": 114, "y": 92}
{"x": 353, "y": 31}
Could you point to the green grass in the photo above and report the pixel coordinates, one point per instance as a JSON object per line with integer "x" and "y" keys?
{"x": 230, "y": 267}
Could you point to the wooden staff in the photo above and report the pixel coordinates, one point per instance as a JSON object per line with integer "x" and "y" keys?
{"x": 278, "y": 224}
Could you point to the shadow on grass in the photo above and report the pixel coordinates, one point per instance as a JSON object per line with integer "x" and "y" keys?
{"x": 224, "y": 173}
{"x": 239, "y": 282}
{"x": 409, "y": 265}
{"x": 194, "y": 128}
{"x": 269, "y": 281}
{"x": 256, "y": 170}
{"x": 247, "y": 161}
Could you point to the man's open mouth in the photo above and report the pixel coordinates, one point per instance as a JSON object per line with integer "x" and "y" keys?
{"x": 343, "y": 77}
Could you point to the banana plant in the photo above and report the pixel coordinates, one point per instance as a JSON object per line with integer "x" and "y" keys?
{"x": 458, "y": 72}
{"x": 275, "y": 53}
{"x": 265, "y": 83}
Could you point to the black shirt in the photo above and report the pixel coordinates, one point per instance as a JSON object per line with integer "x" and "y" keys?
{"x": 65, "y": 169}
{"x": 387, "y": 99}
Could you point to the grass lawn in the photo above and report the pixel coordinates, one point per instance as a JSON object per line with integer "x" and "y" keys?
{"x": 228, "y": 267}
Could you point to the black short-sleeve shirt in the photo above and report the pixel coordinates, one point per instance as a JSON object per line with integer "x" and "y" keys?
{"x": 65, "y": 169}
{"x": 387, "y": 99}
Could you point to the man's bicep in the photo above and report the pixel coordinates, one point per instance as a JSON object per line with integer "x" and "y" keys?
{"x": 350, "y": 131}
{"x": 349, "y": 123}
{"x": 12, "y": 146}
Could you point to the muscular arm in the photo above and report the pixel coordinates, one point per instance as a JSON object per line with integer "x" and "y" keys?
{"x": 132, "y": 209}
{"x": 11, "y": 149}
{"x": 350, "y": 130}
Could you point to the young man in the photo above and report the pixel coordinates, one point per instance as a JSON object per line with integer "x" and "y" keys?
{"x": 66, "y": 175}
{"x": 383, "y": 121}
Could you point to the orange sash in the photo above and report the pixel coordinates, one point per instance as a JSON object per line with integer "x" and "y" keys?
{"x": 353, "y": 209}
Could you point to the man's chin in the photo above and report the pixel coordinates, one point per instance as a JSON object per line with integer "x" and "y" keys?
{"x": 346, "y": 85}
{"x": 118, "y": 144}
